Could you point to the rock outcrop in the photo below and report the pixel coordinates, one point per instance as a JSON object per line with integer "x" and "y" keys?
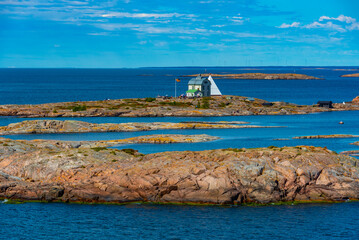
{"x": 153, "y": 139}
{"x": 71, "y": 126}
{"x": 272, "y": 76}
{"x": 30, "y": 171}
{"x": 168, "y": 107}
{"x": 351, "y": 75}
{"x": 327, "y": 136}
{"x": 356, "y": 100}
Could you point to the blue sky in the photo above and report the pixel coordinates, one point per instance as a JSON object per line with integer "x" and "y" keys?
{"x": 143, "y": 33}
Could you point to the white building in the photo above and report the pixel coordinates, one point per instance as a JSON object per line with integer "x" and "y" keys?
{"x": 202, "y": 87}
{"x": 199, "y": 87}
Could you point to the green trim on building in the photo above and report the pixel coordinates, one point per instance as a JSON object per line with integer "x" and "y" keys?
{"x": 192, "y": 91}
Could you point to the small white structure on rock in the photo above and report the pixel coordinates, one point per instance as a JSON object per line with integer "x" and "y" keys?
{"x": 214, "y": 89}
{"x": 202, "y": 87}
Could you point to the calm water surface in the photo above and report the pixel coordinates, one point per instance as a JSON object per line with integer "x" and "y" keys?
{"x": 25, "y": 86}
{"x": 292, "y": 125}
{"x": 72, "y": 221}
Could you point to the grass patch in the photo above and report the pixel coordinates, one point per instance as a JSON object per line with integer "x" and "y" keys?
{"x": 78, "y": 108}
{"x": 234, "y": 149}
{"x": 97, "y": 149}
{"x": 176, "y": 104}
{"x": 205, "y": 103}
{"x": 149, "y": 99}
{"x": 272, "y": 147}
{"x": 222, "y": 105}
{"x": 129, "y": 151}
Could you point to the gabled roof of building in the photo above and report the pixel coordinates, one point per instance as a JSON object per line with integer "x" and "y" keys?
{"x": 197, "y": 80}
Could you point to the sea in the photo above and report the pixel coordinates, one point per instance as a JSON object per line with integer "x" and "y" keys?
{"x": 146, "y": 221}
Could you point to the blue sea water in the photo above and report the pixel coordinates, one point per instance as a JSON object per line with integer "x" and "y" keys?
{"x": 27, "y": 86}
{"x": 72, "y": 221}
{"x": 289, "y": 126}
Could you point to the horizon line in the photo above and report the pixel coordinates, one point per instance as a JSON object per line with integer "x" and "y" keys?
{"x": 268, "y": 66}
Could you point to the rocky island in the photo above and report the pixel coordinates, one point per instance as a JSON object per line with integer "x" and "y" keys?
{"x": 351, "y": 75}
{"x": 50, "y": 171}
{"x": 327, "y": 136}
{"x": 173, "y": 107}
{"x": 267, "y": 76}
{"x": 71, "y": 126}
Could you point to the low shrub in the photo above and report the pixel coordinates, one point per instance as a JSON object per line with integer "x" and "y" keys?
{"x": 149, "y": 99}
{"x": 79, "y": 108}
{"x": 97, "y": 149}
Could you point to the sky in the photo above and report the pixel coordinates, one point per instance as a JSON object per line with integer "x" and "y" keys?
{"x": 165, "y": 33}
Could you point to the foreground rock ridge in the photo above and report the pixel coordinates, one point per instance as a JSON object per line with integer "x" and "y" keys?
{"x": 162, "y": 107}
{"x": 50, "y": 171}
{"x": 71, "y": 126}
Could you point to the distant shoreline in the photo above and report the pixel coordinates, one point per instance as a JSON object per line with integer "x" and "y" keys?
{"x": 265, "y": 76}
{"x": 351, "y": 75}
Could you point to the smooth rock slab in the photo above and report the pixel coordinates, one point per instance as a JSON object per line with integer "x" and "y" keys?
{"x": 225, "y": 176}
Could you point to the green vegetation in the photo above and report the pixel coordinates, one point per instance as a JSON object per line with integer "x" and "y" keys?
{"x": 177, "y": 104}
{"x": 129, "y": 151}
{"x": 79, "y": 108}
{"x": 222, "y": 105}
{"x": 205, "y": 102}
{"x": 207, "y": 98}
{"x": 97, "y": 149}
{"x": 149, "y": 99}
{"x": 234, "y": 149}
{"x": 271, "y": 147}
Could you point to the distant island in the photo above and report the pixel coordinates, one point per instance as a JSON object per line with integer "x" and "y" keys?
{"x": 267, "y": 76}
{"x": 351, "y": 75}
{"x": 327, "y": 136}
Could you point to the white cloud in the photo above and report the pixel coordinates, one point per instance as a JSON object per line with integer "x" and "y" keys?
{"x": 341, "y": 18}
{"x": 237, "y": 19}
{"x": 293, "y": 25}
{"x": 354, "y": 26}
{"x": 328, "y": 25}
{"x": 343, "y": 24}
{"x": 144, "y": 15}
